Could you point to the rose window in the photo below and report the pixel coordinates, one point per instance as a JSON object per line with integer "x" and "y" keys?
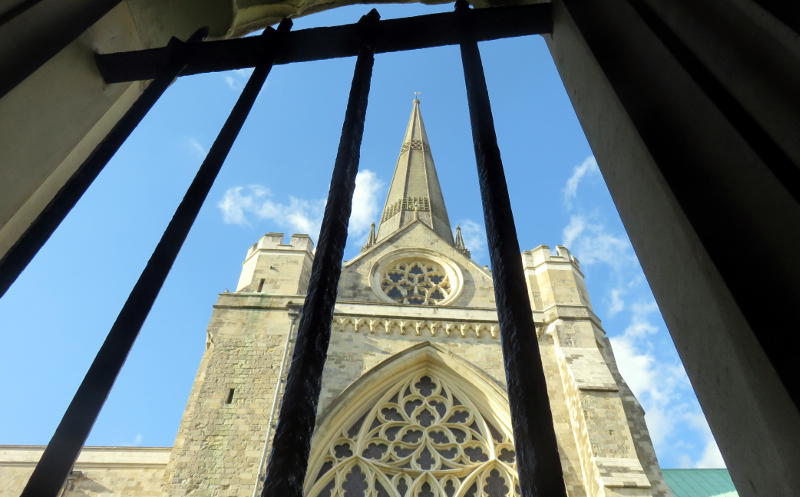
{"x": 416, "y": 281}
{"x": 422, "y": 439}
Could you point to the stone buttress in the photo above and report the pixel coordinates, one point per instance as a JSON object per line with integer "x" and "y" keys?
{"x": 221, "y": 440}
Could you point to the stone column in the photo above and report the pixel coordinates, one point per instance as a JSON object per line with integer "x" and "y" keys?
{"x": 611, "y": 442}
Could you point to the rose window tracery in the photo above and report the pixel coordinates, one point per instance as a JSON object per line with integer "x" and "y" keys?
{"x": 423, "y": 439}
{"x": 416, "y": 281}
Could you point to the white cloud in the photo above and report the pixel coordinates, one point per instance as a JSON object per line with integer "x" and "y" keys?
{"x": 365, "y": 201}
{"x": 643, "y": 353}
{"x": 196, "y": 148}
{"x": 711, "y": 458}
{"x": 245, "y": 204}
{"x": 576, "y": 226}
{"x": 232, "y": 83}
{"x": 137, "y": 440}
{"x": 660, "y": 423}
{"x": 617, "y": 302}
{"x": 570, "y": 190}
{"x": 474, "y": 238}
{"x": 236, "y": 79}
{"x": 636, "y": 367}
{"x": 592, "y": 243}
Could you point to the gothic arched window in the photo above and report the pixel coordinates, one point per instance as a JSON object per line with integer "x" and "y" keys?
{"x": 424, "y": 438}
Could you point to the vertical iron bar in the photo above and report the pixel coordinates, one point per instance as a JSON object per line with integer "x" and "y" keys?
{"x": 24, "y": 250}
{"x": 538, "y": 462}
{"x": 288, "y": 461}
{"x": 63, "y": 449}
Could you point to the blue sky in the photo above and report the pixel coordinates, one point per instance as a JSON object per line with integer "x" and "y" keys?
{"x": 276, "y": 179}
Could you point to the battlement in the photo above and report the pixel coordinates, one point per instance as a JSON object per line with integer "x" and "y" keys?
{"x": 542, "y": 254}
{"x": 274, "y": 241}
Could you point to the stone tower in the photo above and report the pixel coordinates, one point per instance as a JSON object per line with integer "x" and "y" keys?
{"x": 413, "y": 400}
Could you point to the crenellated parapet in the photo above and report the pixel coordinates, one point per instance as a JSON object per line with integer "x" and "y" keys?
{"x": 277, "y": 268}
{"x": 554, "y": 279}
{"x": 543, "y": 255}
{"x": 274, "y": 241}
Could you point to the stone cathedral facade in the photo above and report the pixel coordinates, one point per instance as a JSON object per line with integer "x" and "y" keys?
{"x": 413, "y": 401}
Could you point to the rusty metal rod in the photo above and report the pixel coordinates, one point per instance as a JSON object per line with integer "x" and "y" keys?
{"x": 27, "y": 246}
{"x": 303, "y": 45}
{"x": 290, "y": 448}
{"x": 538, "y": 464}
{"x": 63, "y": 449}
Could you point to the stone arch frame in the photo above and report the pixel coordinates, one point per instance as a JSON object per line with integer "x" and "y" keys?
{"x": 485, "y": 397}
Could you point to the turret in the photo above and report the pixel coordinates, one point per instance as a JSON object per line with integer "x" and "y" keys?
{"x": 277, "y": 268}
{"x": 554, "y": 279}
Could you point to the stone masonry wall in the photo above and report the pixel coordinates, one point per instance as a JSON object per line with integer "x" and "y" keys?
{"x": 98, "y": 472}
{"x": 221, "y": 439}
{"x": 606, "y": 422}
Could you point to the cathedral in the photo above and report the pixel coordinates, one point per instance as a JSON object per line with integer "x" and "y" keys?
{"x": 413, "y": 400}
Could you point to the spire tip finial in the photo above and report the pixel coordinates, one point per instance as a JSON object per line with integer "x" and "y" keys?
{"x": 416, "y": 96}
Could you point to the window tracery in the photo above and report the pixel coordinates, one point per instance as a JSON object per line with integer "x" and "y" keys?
{"x": 416, "y": 281}
{"x": 423, "y": 439}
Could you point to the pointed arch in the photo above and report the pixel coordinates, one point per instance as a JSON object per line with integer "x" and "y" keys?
{"x": 423, "y": 423}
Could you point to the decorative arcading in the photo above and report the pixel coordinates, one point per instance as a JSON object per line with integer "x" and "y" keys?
{"x": 416, "y": 327}
{"x": 407, "y": 204}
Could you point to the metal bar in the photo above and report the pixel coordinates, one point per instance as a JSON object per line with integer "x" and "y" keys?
{"x": 292, "y": 442}
{"x": 340, "y": 41}
{"x": 24, "y": 250}
{"x": 538, "y": 462}
{"x": 63, "y": 449}
{"x": 294, "y": 314}
{"x": 35, "y": 31}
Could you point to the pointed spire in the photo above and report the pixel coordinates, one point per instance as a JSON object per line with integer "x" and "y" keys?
{"x": 370, "y": 238}
{"x": 415, "y": 192}
{"x": 460, "y": 246}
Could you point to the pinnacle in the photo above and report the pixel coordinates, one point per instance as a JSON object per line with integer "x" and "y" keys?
{"x": 415, "y": 192}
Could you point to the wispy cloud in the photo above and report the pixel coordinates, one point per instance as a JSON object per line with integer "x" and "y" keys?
{"x": 244, "y": 205}
{"x": 236, "y": 79}
{"x": 592, "y": 242}
{"x": 579, "y": 172}
{"x": 137, "y": 440}
{"x": 196, "y": 148}
{"x": 654, "y": 374}
{"x": 711, "y": 456}
{"x": 365, "y": 201}
{"x": 617, "y": 304}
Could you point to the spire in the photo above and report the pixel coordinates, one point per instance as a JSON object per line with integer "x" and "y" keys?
{"x": 370, "y": 238}
{"x": 415, "y": 192}
{"x": 460, "y": 245}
